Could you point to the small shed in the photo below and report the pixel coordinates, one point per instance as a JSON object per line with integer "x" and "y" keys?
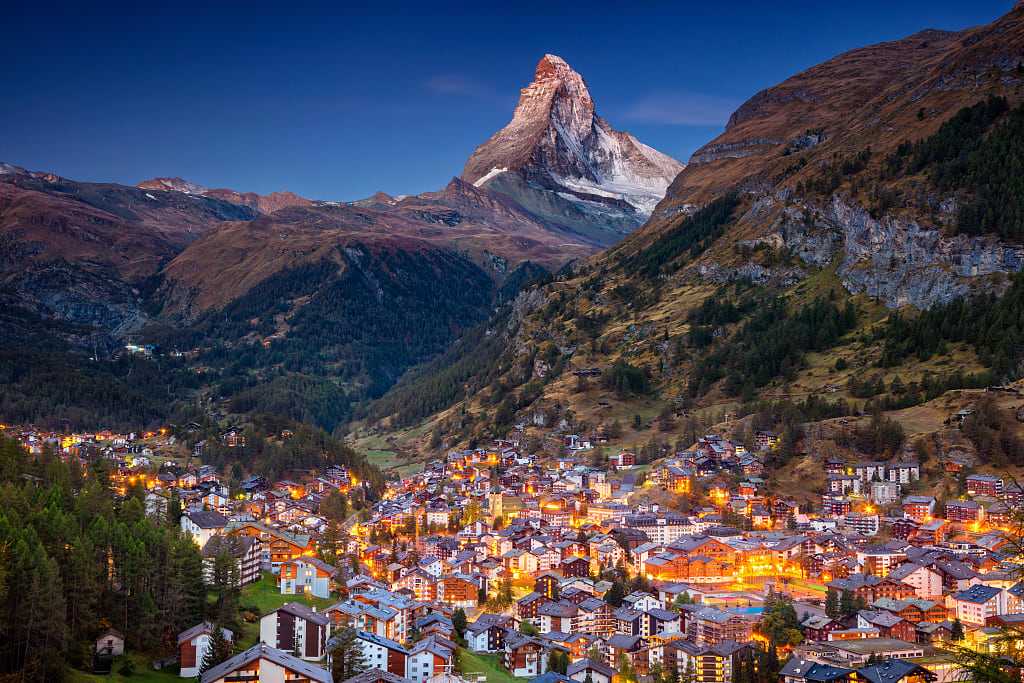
{"x": 110, "y": 643}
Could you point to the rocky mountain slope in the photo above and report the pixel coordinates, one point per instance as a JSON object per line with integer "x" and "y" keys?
{"x": 788, "y": 261}
{"x": 267, "y": 203}
{"x": 320, "y": 304}
{"x": 560, "y": 160}
{"x": 81, "y": 253}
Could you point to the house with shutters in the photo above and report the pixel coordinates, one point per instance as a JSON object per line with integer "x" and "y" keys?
{"x": 525, "y": 656}
{"x": 193, "y": 644}
{"x": 296, "y": 628}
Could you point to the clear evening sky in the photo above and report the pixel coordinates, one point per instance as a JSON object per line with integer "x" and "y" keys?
{"x": 337, "y": 101}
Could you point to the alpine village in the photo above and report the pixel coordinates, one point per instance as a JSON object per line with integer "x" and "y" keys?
{"x": 587, "y": 413}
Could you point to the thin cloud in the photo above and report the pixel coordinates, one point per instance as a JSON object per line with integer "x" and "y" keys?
{"x": 457, "y": 85}
{"x": 681, "y": 109}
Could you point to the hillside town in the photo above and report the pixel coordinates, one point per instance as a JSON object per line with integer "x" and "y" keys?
{"x": 501, "y": 564}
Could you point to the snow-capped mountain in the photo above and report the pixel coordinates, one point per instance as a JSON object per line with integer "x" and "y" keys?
{"x": 567, "y": 165}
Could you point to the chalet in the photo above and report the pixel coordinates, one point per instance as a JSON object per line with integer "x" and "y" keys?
{"x": 556, "y": 616}
{"x": 888, "y": 625}
{"x": 631, "y": 647}
{"x": 964, "y": 511}
{"x": 799, "y": 670}
{"x": 458, "y": 590}
{"x": 296, "y": 628}
{"x": 193, "y": 644}
{"x": 895, "y": 671}
{"x": 623, "y": 460}
{"x": 575, "y": 566}
{"x": 306, "y": 575}
{"x": 817, "y": 627}
{"x": 711, "y": 626}
{"x": 487, "y": 633}
{"x": 919, "y": 508}
{"x": 525, "y": 656}
{"x": 597, "y": 672}
{"x": 264, "y": 663}
{"x": 528, "y": 606}
{"x": 548, "y": 584}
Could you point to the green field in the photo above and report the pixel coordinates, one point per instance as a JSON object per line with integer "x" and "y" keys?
{"x": 476, "y": 663}
{"x": 263, "y": 597}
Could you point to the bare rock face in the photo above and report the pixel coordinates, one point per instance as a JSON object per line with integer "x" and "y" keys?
{"x": 562, "y": 162}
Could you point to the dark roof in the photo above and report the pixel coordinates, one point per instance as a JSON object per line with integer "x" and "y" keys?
{"x": 889, "y": 671}
{"x": 301, "y": 611}
{"x": 812, "y": 671}
{"x": 198, "y": 629}
{"x": 279, "y": 657}
{"x": 208, "y": 519}
{"x": 236, "y": 546}
{"x": 377, "y": 676}
{"x": 978, "y": 593}
{"x": 552, "y": 677}
{"x": 592, "y": 665}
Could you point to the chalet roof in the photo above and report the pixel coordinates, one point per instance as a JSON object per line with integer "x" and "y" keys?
{"x": 208, "y": 519}
{"x": 590, "y": 665}
{"x": 199, "y": 629}
{"x": 260, "y": 651}
{"x": 812, "y": 671}
{"x": 302, "y": 612}
{"x": 377, "y": 676}
{"x": 621, "y": 641}
{"x": 889, "y": 671}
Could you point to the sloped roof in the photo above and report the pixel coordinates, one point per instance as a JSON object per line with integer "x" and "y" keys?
{"x": 279, "y": 657}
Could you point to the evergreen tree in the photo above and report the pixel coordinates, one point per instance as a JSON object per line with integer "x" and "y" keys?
{"x": 832, "y": 604}
{"x": 957, "y": 631}
{"x": 459, "y": 623}
{"x": 347, "y": 658}
{"x": 615, "y": 594}
{"x": 218, "y": 650}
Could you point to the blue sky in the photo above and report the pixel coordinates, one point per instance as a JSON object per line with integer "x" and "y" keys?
{"x": 337, "y": 101}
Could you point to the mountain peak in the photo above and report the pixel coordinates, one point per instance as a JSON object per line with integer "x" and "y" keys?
{"x": 551, "y": 65}
{"x": 557, "y": 143}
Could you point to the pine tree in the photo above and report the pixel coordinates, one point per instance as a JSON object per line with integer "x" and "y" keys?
{"x": 832, "y": 604}
{"x": 615, "y": 594}
{"x": 347, "y": 658}
{"x": 459, "y": 623}
{"x": 218, "y": 650}
{"x": 957, "y": 632}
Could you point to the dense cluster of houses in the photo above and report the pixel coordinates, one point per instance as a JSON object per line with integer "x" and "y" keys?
{"x": 534, "y": 551}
